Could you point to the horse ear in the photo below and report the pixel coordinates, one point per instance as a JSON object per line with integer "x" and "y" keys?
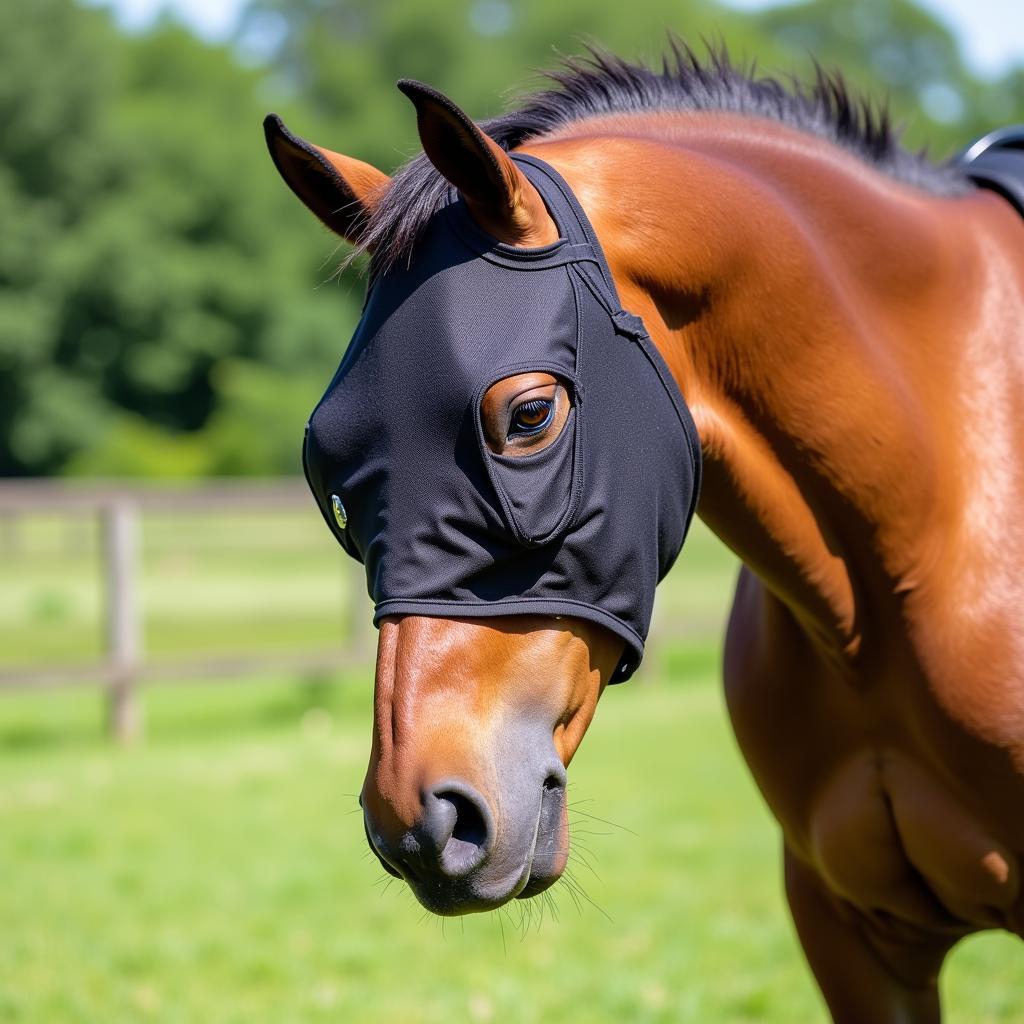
{"x": 340, "y": 190}
{"x": 499, "y": 194}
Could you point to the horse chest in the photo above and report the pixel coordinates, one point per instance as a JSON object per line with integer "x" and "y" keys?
{"x": 893, "y": 841}
{"x": 875, "y": 785}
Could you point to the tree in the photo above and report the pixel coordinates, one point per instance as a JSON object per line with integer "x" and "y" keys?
{"x": 892, "y": 50}
{"x": 146, "y": 239}
{"x": 344, "y": 56}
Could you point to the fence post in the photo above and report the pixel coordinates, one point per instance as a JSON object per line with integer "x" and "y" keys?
{"x": 124, "y": 624}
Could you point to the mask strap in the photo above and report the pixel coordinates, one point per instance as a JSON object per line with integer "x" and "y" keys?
{"x": 572, "y": 223}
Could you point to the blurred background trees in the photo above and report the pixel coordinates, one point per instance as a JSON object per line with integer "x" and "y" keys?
{"x": 168, "y": 309}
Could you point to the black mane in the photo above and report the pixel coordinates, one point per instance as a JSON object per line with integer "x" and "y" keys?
{"x": 601, "y": 83}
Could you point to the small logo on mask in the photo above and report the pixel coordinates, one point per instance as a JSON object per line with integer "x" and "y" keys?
{"x": 340, "y": 515}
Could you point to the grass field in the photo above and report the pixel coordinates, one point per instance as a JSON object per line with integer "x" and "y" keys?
{"x": 218, "y": 873}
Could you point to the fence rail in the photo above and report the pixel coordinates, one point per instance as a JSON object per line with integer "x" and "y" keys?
{"x": 124, "y": 666}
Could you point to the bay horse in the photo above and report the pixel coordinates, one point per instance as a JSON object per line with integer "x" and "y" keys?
{"x": 845, "y": 321}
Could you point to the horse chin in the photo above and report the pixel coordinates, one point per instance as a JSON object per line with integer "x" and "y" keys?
{"x": 466, "y": 895}
{"x": 477, "y": 896}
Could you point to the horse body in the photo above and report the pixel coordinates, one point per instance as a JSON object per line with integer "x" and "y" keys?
{"x": 850, "y": 347}
{"x": 851, "y": 350}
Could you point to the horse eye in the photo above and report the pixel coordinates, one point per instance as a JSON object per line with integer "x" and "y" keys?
{"x": 531, "y": 417}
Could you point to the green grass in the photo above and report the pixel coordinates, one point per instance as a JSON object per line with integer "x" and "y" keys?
{"x": 217, "y": 872}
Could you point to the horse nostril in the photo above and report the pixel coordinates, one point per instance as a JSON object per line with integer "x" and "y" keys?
{"x": 463, "y": 828}
{"x": 554, "y": 781}
{"x": 470, "y": 826}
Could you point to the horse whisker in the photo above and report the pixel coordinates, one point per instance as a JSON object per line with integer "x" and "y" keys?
{"x": 590, "y": 867}
{"x": 574, "y": 882}
{"x": 572, "y": 894}
{"x": 549, "y": 900}
{"x": 605, "y": 821}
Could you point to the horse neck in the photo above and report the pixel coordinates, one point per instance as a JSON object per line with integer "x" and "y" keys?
{"x": 813, "y": 312}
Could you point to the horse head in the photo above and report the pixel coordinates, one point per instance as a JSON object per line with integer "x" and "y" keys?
{"x": 511, "y": 540}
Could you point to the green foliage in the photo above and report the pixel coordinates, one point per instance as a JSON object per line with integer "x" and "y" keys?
{"x": 895, "y": 51}
{"x": 146, "y": 243}
{"x": 343, "y": 58}
{"x": 134, "y": 447}
{"x": 255, "y": 430}
{"x": 258, "y": 427}
{"x": 162, "y": 308}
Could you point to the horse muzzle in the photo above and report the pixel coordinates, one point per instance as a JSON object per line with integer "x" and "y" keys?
{"x": 467, "y": 854}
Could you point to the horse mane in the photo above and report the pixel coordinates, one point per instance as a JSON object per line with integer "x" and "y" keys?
{"x": 601, "y": 83}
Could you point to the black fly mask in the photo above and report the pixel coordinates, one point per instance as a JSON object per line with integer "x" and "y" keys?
{"x": 396, "y": 455}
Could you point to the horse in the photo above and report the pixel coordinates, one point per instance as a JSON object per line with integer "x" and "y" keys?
{"x": 843, "y": 319}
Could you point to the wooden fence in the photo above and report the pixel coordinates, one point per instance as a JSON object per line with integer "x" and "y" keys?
{"x": 124, "y": 666}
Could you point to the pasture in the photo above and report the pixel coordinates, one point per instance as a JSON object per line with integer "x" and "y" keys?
{"x": 218, "y": 872}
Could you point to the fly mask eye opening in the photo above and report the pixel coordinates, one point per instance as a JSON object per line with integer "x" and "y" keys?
{"x": 536, "y": 470}
{"x": 524, "y": 413}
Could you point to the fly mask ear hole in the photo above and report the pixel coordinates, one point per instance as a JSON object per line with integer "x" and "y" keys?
{"x": 539, "y": 492}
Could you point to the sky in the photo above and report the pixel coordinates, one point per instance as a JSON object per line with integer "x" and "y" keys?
{"x": 991, "y": 32}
